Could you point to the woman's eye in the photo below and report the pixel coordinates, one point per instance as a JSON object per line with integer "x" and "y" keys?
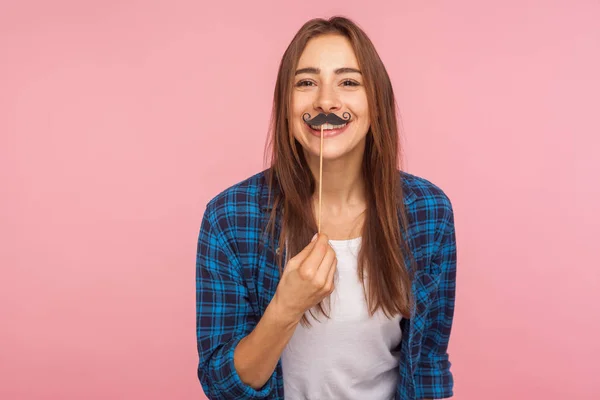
{"x": 349, "y": 82}
{"x": 304, "y": 83}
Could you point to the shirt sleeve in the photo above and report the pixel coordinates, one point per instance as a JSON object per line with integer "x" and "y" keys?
{"x": 223, "y": 315}
{"x": 434, "y": 380}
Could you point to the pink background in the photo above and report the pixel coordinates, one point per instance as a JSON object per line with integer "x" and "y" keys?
{"x": 119, "y": 120}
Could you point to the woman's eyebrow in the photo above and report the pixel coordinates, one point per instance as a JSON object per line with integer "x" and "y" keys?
{"x": 313, "y": 70}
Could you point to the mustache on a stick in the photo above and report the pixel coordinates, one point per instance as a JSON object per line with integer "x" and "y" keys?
{"x": 320, "y": 120}
{"x": 330, "y": 118}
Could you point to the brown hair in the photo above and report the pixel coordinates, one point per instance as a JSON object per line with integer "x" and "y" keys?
{"x": 383, "y": 247}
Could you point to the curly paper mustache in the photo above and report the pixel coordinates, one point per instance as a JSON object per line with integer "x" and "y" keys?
{"x": 330, "y": 118}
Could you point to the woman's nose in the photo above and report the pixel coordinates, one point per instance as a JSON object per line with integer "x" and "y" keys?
{"x": 327, "y": 101}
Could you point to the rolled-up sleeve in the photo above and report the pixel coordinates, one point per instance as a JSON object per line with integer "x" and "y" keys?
{"x": 434, "y": 380}
{"x": 224, "y": 315}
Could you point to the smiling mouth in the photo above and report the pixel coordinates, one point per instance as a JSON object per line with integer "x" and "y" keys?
{"x": 327, "y": 126}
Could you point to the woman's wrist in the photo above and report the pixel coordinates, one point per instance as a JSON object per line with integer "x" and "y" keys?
{"x": 282, "y": 316}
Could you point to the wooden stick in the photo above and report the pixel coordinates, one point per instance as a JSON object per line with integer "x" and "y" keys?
{"x": 320, "y": 177}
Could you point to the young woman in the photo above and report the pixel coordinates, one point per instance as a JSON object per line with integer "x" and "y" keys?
{"x": 363, "y": 310}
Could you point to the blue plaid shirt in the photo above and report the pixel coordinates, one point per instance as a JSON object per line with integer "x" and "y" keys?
{"x": 236, "y": 279}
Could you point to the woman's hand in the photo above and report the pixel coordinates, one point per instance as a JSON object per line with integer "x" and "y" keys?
{"x": 307, "y": 278}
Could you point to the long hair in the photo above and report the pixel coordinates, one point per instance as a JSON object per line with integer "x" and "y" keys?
{"x": 381, "y": 257}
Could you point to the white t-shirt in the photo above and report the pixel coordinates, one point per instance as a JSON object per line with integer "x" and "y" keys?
{"x": 350, "y": 355}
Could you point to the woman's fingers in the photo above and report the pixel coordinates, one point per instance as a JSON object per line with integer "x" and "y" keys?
{"x": 325, "y": 268}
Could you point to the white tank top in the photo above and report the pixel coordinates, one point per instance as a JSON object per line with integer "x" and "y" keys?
{"x": 350, "y": 355}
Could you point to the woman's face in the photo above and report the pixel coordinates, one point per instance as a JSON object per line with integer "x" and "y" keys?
{"x": 327, "y": 81}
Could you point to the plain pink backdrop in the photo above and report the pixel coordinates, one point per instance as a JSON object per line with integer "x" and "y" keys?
{"x": 119, "y": 120}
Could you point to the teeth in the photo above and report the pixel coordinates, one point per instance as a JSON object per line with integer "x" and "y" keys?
{"x": 327, "y": 126}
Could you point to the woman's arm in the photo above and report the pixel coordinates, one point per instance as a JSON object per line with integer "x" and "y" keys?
{"x": 306, "y": 280}
{"x": 433, "y": 376}
{"x": 256, "y": 355}
{"x": 224, "y": 315}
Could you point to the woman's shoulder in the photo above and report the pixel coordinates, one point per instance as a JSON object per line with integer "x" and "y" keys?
{"x": 245, "y": 198}
{"x": 423, "y": 192}
{"x": 431, "y": 219}
{"x": 426, "y": 200}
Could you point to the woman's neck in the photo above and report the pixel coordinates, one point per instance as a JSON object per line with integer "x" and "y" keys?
{"x": 343, "y": 183}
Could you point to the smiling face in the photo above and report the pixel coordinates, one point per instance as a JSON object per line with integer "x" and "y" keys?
{"x": 328, "y": 80}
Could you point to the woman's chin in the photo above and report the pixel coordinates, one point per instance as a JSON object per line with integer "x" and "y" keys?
{"x": 328, "y": 154}
{"x": 331, "y": 151}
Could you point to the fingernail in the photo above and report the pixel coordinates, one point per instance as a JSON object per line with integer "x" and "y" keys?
{"x": 314, "y": 237}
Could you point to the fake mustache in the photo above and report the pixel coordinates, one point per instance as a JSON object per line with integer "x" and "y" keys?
{"x": 330, "y": 118}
